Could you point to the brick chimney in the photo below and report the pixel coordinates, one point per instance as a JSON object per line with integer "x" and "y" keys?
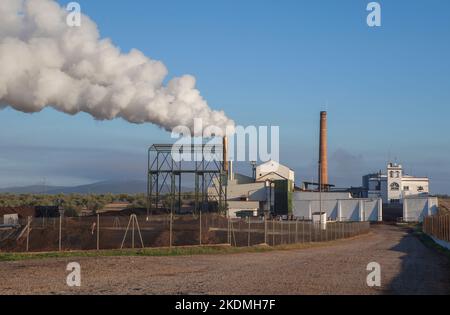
{"x": 323, "y": 151}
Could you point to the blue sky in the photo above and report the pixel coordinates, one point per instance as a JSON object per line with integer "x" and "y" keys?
{"x": 266, "y": 62}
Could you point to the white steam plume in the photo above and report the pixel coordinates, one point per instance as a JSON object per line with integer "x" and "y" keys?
{"x": 44, "y": 62}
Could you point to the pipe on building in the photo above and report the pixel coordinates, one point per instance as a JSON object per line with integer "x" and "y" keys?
{"x": 231, "y": 170}
{"x": 323, "y": 151}
{"x": 225, "y": 153}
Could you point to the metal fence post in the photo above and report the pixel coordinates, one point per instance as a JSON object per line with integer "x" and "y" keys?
{"x": 333, "y": 233}
{"x": 340, "y": 230}
{"x": 273, "y": 232}
{"x": 310, "y": 232}
{"x": 289, "y": 232}
{"x": 336, "y": 226}
{"x": 28, "y": 232}
{"x": 132, "y": 232}
{"x": 303, "y": 232}
{"x": 170, "y": 229}
{"x": 228, "y": 231}
{"x": 98, "y": 231}
{"x": 60, "y": 223}
{"x": 265, "y": 230}
{"x": 200, "y": 218}
{"x": 248, "y": 232}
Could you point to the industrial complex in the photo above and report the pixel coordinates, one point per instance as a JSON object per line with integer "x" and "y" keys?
{"x": 271, "y": 190}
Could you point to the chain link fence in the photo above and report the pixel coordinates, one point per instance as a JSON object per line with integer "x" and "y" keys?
{"x": 115, "y": 232}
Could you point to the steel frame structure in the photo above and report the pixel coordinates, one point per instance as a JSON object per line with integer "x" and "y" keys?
{"x": 165, "y": 177}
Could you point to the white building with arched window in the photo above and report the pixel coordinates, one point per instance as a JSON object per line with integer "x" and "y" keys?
{"x": 395, "y": 185}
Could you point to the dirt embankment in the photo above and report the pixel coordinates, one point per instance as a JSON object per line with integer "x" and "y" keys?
{"x": 444, "y": 205}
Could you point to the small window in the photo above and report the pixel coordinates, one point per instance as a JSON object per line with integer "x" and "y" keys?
{"x": 406, "y": 188}
{"x": 397, "y": 174}
{"x": 420, "y": 188}
{"x": 395, "y": 186}
{"x": 392, "y": 174}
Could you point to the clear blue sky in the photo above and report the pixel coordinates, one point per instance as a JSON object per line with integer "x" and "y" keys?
{"x": 266, "y": 62}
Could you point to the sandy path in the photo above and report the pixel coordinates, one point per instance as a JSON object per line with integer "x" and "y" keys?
{"x": 408, "y": 267}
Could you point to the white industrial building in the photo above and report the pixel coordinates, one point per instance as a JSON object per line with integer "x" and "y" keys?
{"x": 394, "y": 185}
{"x": 273, "y": 170}
{"x": 255, "y": 194}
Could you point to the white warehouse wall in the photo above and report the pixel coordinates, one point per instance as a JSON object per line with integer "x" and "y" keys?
{"x": 338, "y": 209}
{"x": 415, "y": 209}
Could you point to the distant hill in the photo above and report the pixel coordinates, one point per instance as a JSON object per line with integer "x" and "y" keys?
{"x": 103, "y": 187}
{"x": 34, "y": 189}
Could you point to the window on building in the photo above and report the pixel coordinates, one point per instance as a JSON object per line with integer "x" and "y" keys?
{"x": 406, "y": 188}
{"x": 395, "y": 200}
{"x": 420, "y": 188}
{"x": 392, "y": 174}
{"x": 395, "y": 186}
{"x": 397, "y": 174}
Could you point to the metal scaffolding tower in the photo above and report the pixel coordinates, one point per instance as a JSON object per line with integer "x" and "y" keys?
{"x": 166, "y": 175}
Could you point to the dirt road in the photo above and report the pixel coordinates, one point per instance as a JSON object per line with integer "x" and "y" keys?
{"x": 407, "y": 267}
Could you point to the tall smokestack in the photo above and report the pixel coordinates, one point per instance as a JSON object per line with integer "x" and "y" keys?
{"x": 225, "y": 153}
{"x": 323, "y": 151}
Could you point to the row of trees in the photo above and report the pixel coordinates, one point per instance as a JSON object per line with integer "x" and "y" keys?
{"x": 73, "y": 204}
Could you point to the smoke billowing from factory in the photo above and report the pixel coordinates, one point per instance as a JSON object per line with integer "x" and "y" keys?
{"x": 44, "y": 62}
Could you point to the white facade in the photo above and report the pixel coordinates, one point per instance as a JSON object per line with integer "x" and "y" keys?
{"x": 234, "y": 207}
{"x": 395, "y": 186}
{"x": 416, "y": 208}
{"x": 337, "y": 206}
{"x": 273, "y": 170}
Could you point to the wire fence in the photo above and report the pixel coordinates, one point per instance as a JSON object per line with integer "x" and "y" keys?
{"x": 437, "y": 226}
{"x": 116, "y": 232}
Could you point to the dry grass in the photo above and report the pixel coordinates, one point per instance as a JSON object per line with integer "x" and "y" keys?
{"x": 174, "y": 251}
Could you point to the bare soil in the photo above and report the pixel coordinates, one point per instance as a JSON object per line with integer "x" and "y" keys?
{"x": 407, "y": 267}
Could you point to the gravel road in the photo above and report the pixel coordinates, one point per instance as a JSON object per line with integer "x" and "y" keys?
{"x": 407, "y": 267}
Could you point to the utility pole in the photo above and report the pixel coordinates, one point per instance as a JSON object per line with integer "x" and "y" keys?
{"x": 320, "y": 198}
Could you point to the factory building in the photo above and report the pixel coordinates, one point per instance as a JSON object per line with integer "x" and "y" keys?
{"x": 268, "y": 191}
{"x": 273, "y": 171}
{"x": 271, "y": 190}
{"x": 394, "y": 185}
